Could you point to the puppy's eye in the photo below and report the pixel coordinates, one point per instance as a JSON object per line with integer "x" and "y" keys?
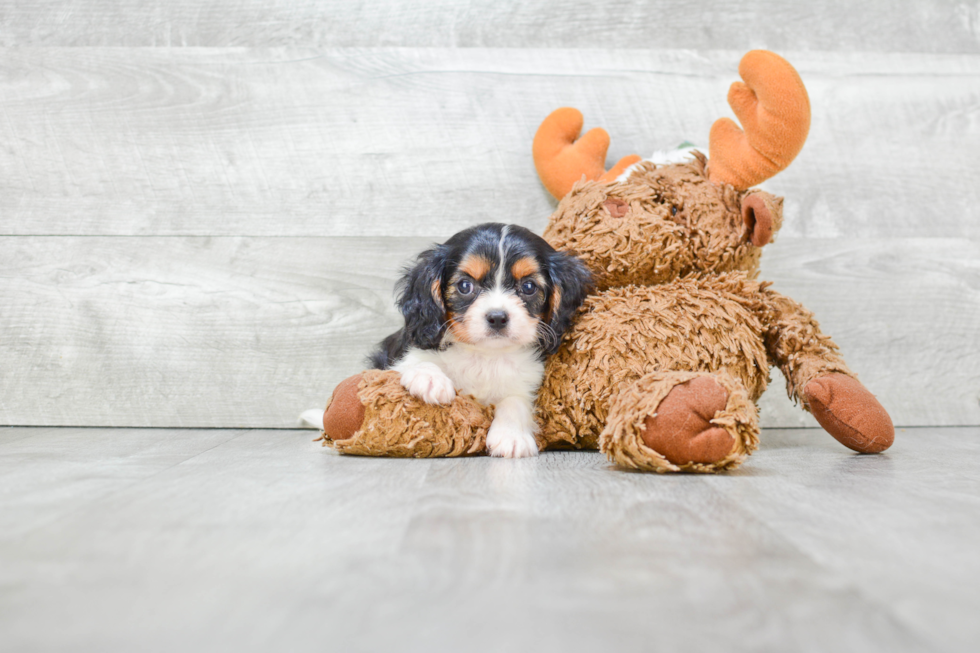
{"x": 673, "y": 210}
{"x": 529, "y": 287}
{"x": 464, "y": 286}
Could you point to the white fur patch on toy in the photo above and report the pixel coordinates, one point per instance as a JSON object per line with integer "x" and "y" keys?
{"x": 662, "y": 157}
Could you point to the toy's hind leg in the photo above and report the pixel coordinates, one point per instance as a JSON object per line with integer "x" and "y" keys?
{"x": 681, "y": 421}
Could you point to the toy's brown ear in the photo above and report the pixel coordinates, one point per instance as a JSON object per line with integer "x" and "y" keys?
{"x": 762, "y": 214}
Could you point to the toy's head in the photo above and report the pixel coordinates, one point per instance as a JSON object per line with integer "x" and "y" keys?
{"x": 664, "y": 221}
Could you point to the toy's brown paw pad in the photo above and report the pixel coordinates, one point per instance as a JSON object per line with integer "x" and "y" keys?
{"x": 345, "y": 413}
{"x": 681, "y": 429}
{"x": 850, "y": 413}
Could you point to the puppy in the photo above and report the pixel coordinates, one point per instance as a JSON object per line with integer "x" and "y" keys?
{"x": 482, "y": 311}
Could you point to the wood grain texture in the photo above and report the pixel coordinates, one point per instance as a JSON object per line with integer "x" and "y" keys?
{"x": 711, "y": 24}
{"x": 187, "y": 331}
{"x": 421, "y": 142}
{"x": 256, "y": 540}
{"x": 905, "y": 313}
{"x": 230, "y": 332}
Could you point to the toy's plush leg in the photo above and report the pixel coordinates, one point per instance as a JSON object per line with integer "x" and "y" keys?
{"x": 681, "y": 421}
{"x": 371, "y": 414}
{"x": 817, "y": 376}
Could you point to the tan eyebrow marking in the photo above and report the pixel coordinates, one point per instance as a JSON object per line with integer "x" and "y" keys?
{"x": 475, "y": 266}
{"x": 524, "y": 267}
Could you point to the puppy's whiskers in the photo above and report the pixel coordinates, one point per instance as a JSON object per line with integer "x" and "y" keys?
{"x": 547, "y": 335}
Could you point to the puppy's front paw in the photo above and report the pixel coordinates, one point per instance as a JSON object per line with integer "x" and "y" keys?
{"x": 429, "y": 383}
{"x": 506, "y": 441}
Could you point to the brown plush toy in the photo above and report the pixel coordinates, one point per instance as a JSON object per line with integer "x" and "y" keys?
{"x": 667, "y": 358}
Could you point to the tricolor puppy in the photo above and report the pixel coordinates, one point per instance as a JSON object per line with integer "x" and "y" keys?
{"x": 482, "y": 311}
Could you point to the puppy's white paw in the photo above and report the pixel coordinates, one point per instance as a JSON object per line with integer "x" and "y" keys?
{"x": 429, "y": 383}
{"x": 506, "y": 441}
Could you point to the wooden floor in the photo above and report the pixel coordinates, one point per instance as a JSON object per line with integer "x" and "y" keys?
{"x": 158, "y": 539}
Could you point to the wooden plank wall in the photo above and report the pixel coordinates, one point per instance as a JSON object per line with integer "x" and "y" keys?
{"x": 205, "y": 205}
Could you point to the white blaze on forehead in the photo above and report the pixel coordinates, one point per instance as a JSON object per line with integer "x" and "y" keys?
{"x": 502, "y": 258}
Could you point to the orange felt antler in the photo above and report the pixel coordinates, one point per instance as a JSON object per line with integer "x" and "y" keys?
{"x": 562, "y": 160}
{"x": 773, "y": 106}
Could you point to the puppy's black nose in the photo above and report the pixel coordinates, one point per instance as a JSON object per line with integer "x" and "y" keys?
{"x": 497, "y": 320}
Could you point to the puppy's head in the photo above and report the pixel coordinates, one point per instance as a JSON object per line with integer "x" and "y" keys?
{"x": 493, "y": 286}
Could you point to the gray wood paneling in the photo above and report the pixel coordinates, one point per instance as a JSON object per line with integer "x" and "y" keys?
{"x": 877, "y": 25}
{"x": 187, "y": 331}
{"x": 420, "y": 142}
{"x": 124, "y": 540}
{"x": 905, "y": 312}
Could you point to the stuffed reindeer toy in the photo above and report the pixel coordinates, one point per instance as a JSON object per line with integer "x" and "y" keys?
{"x": 669, "y": 353}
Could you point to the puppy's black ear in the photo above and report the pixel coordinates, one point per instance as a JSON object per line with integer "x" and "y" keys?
{"x": 420, "y": 298}
{"x": 570, "y": 284}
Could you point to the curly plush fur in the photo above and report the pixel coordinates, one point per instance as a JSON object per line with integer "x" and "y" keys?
{"x": 399, "y": 425}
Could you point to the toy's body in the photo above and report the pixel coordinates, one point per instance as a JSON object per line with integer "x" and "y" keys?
{"x": 667, "y": 358}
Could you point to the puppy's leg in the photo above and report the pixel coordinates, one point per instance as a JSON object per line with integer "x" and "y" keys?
{"x": 511, "y": 434}
{"x": 425, "y": 380}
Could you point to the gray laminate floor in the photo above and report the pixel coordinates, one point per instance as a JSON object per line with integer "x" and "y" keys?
{"x": 158, "y": 539}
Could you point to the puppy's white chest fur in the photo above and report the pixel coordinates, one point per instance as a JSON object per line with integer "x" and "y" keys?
{"x": 492, "y": 375}
{"x": 507, "y": 378}
{"x": 488, "y": 375}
